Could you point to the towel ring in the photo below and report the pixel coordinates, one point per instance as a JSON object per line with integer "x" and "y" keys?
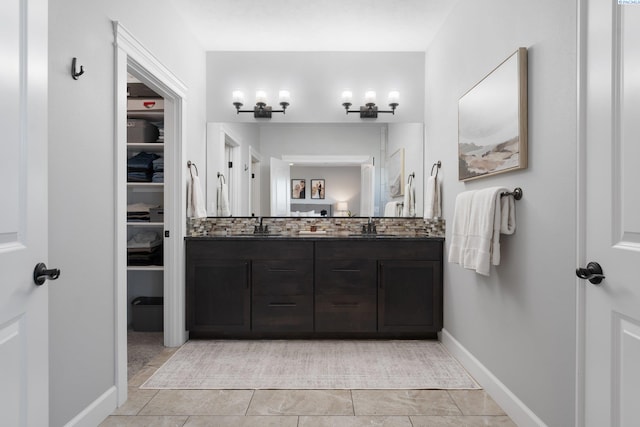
{"x": 189, "y": 164}
{"x": 438, "y": 164}
{"x": 224, "y": 181}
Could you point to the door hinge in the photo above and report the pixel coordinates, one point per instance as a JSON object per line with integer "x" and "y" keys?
{"x": 253, "y": 175}
{"x": 230, "y": 165}
{"x": 166, "y": 233}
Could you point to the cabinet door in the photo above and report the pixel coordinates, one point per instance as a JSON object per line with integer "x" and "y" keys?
{"x": 218, "y": 295}
{"x": 409, "y": 296}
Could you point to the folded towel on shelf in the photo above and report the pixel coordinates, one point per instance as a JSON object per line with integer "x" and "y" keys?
{"x": 409, "y": 204}
{"x": 391, "y": 209}
{"x": 139, "y": 176}
{"x": 157, "y": 177}
{"x": 141, "y": 162}
{"x": 158, "y": 164}
{"x": 479, "y": 218}
{"x": 432, "y": 199}
{"x": 223, "y": 199}
{"x": 195, "y": 199}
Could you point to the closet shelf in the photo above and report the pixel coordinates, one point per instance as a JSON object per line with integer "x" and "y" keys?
{"x": 145, "y": 224}
{"x": 146, "y": 146}
{"x": 145, "y": 184}
{"x": 145, "y": 268}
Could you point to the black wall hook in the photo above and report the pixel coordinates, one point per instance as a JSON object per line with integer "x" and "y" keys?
{"x": 74, "y": 73}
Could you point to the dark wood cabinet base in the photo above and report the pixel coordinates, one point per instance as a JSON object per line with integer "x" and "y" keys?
{"x": 324, "y": 288}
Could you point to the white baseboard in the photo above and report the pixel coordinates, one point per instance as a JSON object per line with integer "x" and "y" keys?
{"x": 97, "y": 411}
{"x": 509, "y": 402}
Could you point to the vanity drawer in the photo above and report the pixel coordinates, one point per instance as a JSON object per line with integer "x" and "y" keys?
{"x": 346, "y": 313}
{"x": 282, "y": 314}
{"x": 282, "y": 277}
{"x": 346, "y": 276}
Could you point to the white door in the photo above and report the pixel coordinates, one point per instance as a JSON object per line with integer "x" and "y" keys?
{"x": 280, "y": 187}
{"x": 612, "y": 211}
{"x": 367, "y": 188}
{"x": 24, "y": 346}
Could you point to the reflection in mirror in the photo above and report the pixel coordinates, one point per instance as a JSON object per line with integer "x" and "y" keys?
{"x": 347, "y": 169}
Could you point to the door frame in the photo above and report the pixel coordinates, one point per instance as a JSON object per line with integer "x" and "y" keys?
{"x": 132, "y": 56}
{"x": 581, "y": 207}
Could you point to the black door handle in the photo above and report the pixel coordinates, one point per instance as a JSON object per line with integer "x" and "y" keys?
{"x": 41, "y": 273}
{"x": 593, "y": 273}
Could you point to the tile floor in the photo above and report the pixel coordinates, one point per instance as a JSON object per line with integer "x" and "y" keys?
{"x": 302, "y": 408}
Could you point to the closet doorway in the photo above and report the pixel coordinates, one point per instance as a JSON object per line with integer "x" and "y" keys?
{"x": 166, "y": 280}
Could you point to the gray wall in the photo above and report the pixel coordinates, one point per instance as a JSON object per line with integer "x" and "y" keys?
{"x": 81, "y": 180}
{"x": 316, "y": 81}
{"x": 520, "y": 321}
{"x": 342, "y": 184}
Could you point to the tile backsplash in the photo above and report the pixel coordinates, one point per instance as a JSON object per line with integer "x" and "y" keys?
{"x": 220, "y": 226}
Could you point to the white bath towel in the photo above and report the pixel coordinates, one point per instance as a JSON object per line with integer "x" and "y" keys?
{"x": 223, "y": 199}
{"x": 432, "y": 199}
{"x": 479, "y": 218}
{"x": 391, "y": 209}
{"x": 195, "y": 200}
{"x": 409, "y": 204}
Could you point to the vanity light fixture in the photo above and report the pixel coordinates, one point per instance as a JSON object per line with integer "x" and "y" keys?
{"x": 370, "y": 110}
{"x": 261, "y": 110}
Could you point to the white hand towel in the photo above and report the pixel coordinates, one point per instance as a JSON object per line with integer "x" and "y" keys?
{"x": 478, "y": 220}
{"x": 409, "y": 204}
{"x": 195, "y": 200}
{"x": 223, "y": 200}
{"x": 432, "y": 201}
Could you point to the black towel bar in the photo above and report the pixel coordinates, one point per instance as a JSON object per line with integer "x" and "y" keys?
{"x": 516, "y": 193}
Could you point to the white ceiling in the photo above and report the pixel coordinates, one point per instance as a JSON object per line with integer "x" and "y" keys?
{"x": 315, "y": 25}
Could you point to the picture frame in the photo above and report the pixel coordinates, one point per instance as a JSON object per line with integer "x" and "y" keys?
{"x": 492, "y": 121}
{"x": 317, "y": 189}
{"x": 395, "y": 173}
{"x": 298, "y": 188}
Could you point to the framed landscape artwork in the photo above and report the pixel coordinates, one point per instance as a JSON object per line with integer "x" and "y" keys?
{"x": 492, "y": 121}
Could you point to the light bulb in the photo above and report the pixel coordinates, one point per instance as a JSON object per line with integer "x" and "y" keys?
{"x": 347, "y": 97}
{"x": 284, "y": 96}
{"x": 261, "y": 97}
{"x": 238, "y": 97}
{"x": 370, "y": 97}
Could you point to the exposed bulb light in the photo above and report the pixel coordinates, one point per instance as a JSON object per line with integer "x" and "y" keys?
{"x": 261, "y": 109}
{"x": 370, "y": 110}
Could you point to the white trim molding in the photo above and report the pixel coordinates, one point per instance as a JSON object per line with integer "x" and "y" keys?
{"x": 132, "y": 57}
{"x": 514, "y": 407}
{"x": 97, "y": 411}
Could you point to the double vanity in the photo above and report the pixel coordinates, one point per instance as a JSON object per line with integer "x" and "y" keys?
{"x": 314, "y": 285}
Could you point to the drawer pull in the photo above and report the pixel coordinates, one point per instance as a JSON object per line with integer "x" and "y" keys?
{"x": 346, "y": 270}
{"x": 345, "y": 304}
{"x": 282, "y": 304}
{"x": 282, "y": 270}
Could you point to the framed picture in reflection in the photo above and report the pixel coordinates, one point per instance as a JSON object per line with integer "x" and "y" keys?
{"x": 298, "y": 189}
{"x": 317, "y": 189}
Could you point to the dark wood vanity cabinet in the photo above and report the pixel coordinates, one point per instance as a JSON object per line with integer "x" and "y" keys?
{"x": 314, "y": 287}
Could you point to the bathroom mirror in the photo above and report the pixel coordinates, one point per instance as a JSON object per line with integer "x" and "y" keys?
{"x": 268, "y": 169}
